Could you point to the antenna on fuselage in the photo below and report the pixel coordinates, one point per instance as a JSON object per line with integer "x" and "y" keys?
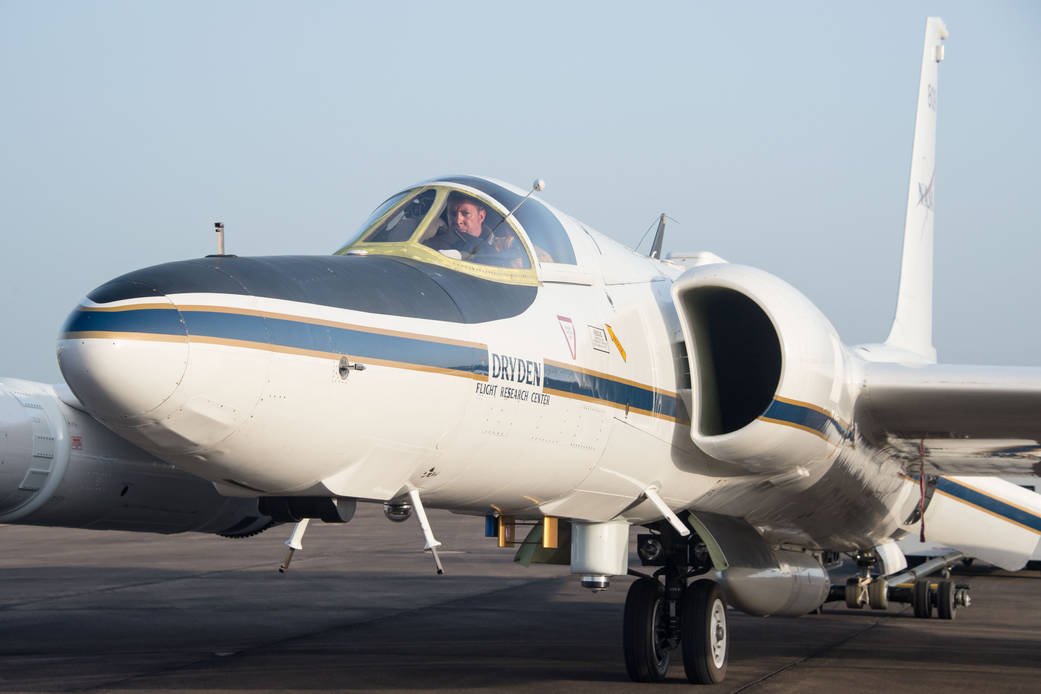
{"x": 659, "y": 237}
{"x": 219, "y": 228}
{"x": 538, "y": 185}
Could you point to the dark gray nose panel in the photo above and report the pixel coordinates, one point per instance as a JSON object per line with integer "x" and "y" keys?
{"x": 373, "y": 284}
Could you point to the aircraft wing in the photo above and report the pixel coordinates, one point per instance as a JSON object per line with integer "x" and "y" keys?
{"x": 964, "y": 419}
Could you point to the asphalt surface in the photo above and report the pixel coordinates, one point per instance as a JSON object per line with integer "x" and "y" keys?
{"x": 361, "y": 610}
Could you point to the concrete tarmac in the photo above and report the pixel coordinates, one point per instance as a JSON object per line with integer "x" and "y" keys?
{"x": 361, "y": 610}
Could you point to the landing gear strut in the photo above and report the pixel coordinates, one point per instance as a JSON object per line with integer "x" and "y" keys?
{"x": 663, "y": 612}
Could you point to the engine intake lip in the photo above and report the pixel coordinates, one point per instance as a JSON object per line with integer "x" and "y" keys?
{"x": 35, "y": 430}
{"x": 737, "y": 358}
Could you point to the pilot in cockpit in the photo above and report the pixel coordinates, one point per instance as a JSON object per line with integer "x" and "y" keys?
{"x": 476, "y": 242}
{"x": 465, "y": 225}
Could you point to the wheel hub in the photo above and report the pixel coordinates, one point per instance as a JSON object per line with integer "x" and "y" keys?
{"x": 718, "y": 634}
{"x": 661, "y": 631}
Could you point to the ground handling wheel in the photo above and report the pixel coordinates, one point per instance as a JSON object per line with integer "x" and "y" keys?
{"x": 921, "y": 599}
{"x": 946, "y": 605}
{"x": 705, "y": 636}
{"x": 853, "y": 593}
{"x": 645, "y": 631}
{"x": 878, "y": 593}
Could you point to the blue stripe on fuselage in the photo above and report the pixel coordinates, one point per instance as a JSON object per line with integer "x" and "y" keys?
{"x": 359, "y": 344}
{"x": 153, "y": 321}
{"x": 312, "y": 336}
{"x": 284, "y": 332}
{"x": 604, "y": 388}
{"x": 989, "y": 503}
{"x": 805, "y": 417}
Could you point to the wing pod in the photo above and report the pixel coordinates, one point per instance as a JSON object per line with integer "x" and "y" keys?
{"x": 60, "y": 467}
{"x": 768, "y": 371}
{"x": 760, "y": 579}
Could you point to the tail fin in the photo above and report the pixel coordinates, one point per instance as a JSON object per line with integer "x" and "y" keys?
{"x": 913, "y": 324}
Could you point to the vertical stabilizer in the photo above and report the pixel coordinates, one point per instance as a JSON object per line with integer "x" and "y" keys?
{"x": 913, "y": 324}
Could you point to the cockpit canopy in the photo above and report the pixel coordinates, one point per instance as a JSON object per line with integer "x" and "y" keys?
{"x": 465, "y": 223}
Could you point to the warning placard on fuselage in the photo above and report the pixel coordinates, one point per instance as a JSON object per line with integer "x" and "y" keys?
{"x": 513, "y": 377}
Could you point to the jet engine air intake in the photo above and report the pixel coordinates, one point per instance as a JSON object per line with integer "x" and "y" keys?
{"x": 769, "y": 388}
{"x": 738, "y": 358}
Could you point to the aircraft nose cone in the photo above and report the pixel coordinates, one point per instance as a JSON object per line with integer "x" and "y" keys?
{"x": 126, "y": 358}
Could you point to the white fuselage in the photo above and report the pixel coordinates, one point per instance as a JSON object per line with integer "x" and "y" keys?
{"x": 571, "y": 408}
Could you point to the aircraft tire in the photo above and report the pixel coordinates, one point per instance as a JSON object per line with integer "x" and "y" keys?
{"x": 705, "y": 634}
{"x": 645, "y": 631}
{"x": 945, "y": 604}
{"x": 920, "y": 598}
{"x": 853, "y": 593}
{"x": 878, "y": 594}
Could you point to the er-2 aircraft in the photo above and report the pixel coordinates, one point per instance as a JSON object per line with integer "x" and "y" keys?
{"x": 475, "y": 349}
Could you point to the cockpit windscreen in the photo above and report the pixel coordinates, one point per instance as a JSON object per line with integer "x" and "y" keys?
{"x": 455, "y": 225}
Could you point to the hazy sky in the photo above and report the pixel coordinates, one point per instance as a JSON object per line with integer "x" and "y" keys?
{"x": 778, "y": 134}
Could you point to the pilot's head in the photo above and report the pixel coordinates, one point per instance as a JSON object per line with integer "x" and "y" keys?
{"x": 465, "y": 215}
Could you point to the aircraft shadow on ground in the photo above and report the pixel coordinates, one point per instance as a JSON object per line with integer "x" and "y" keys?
{"x": 531, "y": 636}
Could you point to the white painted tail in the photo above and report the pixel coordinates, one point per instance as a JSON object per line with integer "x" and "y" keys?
{"x": 913, "y": 324}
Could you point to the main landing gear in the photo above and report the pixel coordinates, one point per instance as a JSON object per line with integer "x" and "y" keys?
{"x": 663, "y": 612}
